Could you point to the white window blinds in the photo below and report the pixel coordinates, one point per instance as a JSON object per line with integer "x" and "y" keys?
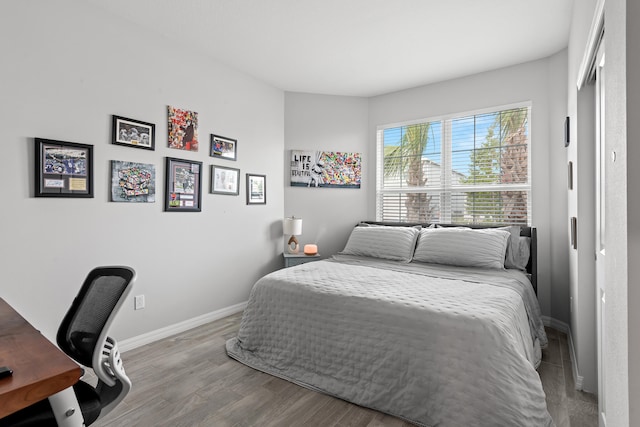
{"x": 472, "y": 169}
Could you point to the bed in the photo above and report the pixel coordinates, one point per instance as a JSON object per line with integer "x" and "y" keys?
{"x": 421, "y": 322}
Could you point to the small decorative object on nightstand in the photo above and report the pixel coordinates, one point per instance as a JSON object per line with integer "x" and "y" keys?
{"x": 296, "y": 259}
{"x": 311, "y": 249}
{"x": 292, "y": 227}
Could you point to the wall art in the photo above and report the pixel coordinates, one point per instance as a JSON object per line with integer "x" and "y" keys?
{"x": 183, "y": 129}
{"x": 133, "y": 182}
{"x": 224, "y": 148}
{"x": 256, "y": 189}
{"x": 63, "y": 169}
{"x": 133, "y": 133}
{"x": 325, "y": 169}
{"x": 225, "y": 180}
{"x": 183, "y": 184}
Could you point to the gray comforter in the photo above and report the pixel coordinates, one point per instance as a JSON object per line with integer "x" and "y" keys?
{"x": 437, "y": 346}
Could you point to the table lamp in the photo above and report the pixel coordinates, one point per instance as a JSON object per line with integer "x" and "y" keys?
{"x": 292, "y": 227}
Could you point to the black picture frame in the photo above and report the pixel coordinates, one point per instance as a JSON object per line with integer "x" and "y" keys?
{"x": 133, "y": 133}
{"x": 223, "y": 147}
{"x": 225, "y": 180}
{"x": 256, "y": 189}
{"x": 63, "y": 169}
{"x": 567, "y": 131}
{"x": 183, "y": 185}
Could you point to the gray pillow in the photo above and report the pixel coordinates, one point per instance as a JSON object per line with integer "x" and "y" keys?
{"x": 517, "y": 255}
{"x": 524, "y": 252}
{"x": 394, "y": 243}
{"x": 484, "y": 248}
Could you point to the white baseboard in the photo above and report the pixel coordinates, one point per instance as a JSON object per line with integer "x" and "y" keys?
{"x": 563, "y": 327}
{"x": 158, "y": 334}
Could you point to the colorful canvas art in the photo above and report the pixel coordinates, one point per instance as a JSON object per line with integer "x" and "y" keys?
{"x": 325, "y": 169}
{"x": 183, "y": 129}
{"x": 133, "y": 182}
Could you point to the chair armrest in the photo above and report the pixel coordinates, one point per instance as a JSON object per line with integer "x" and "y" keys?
{"x": 114, "y": 383}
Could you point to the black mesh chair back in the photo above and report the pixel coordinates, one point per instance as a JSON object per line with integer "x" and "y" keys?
{"x": 93, "y": 309}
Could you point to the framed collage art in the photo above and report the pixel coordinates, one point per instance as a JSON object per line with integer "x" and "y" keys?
{"x": 63, "y": 169}
{"x": 183, "y": 186}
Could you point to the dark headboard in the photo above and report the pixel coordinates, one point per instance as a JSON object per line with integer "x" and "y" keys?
{"x": 532, "y": 266}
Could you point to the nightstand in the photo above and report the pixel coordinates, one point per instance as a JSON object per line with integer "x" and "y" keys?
{"x": 296, "y": 259}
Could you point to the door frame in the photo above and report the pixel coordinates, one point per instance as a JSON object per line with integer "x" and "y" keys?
{"x": 600, "y": 254}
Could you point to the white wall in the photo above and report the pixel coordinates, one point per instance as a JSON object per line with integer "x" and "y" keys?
{"x": 67, "y": 68}
{"x": 581, "y": 151}
{"x": 558, "y": 183}
{"x": 327, "y": 123}
{"x": 543, "y": 83}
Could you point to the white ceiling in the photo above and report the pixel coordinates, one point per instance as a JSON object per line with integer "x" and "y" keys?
{"x": 357, "y": 47}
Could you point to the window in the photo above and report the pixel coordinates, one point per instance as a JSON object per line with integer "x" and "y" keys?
{"x": 471, "y": 169}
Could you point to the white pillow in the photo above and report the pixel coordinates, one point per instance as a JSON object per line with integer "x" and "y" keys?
{"x": 394, "y": 243}
{"x": 464, "y": 247}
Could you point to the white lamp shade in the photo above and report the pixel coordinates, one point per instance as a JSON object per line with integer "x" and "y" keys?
{"x": 292, "y": 226}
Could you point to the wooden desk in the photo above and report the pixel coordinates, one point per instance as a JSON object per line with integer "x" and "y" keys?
{"x": 40, "y": 369}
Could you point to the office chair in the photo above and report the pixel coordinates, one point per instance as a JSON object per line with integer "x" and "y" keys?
{"x": 83, "y": 337}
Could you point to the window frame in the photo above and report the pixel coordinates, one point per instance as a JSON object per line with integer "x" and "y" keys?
{"x": 446, "y": 189}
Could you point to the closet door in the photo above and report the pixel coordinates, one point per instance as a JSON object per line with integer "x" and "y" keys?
{"x": 601, "y": 201}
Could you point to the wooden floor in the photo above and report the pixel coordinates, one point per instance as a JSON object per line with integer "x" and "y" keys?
{"x": 188, "y": 380}
{"x": 568, "y": 407}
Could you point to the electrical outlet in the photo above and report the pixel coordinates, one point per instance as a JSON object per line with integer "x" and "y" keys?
{"x": 138, "y": 302}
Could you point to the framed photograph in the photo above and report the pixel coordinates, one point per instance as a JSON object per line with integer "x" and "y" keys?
{"x": 183, "y": 129}
{"x": 133, "y": 133}
{"x": 225, "y": 180}
{"x": 183, "y": 184}
{"x": 133, "y": 182}
{"x": 256, "y": 189}
{"x": 63, "y": 169}
{"x": 224, "y": 148}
